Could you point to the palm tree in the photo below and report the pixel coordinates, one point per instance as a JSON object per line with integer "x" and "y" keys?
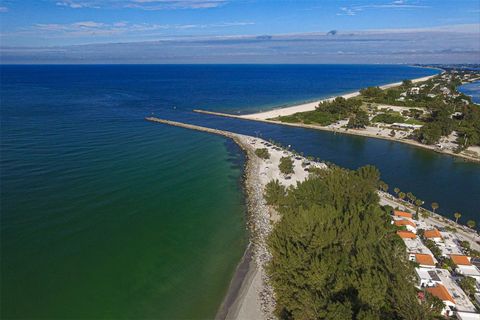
{"x": 471, "y": 223}
{"x": 457, "y": 216}
{"x": 418, "y": 203}
{"x": 383, "y": 186}
{"x": 411, "y": 197}
{"x": 396, "y": 190}
{"x": 401, "y": 195}
{"x": 434, "y": 206}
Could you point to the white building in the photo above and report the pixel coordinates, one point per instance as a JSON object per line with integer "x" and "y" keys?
{"x": 465, "y": 267}
{"x": 424, "y": 260}
{"x": 462, "y": 315}
{"x": 426, "y": 278}
{"x": 407, "y": 223}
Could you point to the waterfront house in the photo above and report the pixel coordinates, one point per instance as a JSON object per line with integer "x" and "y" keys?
{"x": 465, "y": 267}
{"x": 427, "y": 278}
{"x": 402, "y": 214}
{"x": 414, "y": 90}
{"x": 433, "y": 234}
{"x": 408, "y": 224}
{"x": 442, "y": 293}
{"x": 425, "y": 260}
{"x": 406, "y": 234}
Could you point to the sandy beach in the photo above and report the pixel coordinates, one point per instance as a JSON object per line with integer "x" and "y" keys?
{"x": 310, "y": 106}
{"x": 371, "y": 132}
{"x": 249, "y": 295}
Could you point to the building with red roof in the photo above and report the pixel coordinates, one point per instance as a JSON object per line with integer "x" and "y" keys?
{"x": 406, "y": 234}
{"x": 402, "y": 214}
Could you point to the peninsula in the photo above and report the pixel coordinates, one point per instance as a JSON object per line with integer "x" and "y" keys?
{"x": 276, "y": 179}
{"x": 427, "y": 112}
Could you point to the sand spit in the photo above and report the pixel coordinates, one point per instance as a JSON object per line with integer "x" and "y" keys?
{"x": 310, "y": 106}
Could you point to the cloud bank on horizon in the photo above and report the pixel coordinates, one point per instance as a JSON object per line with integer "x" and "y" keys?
{"x": 245, "y": 31}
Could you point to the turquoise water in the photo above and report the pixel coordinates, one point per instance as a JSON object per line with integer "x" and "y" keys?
{"x": 104, "y": 215}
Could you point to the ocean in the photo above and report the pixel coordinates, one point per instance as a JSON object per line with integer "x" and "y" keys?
{"x": 472, "y": 89}
{"x": 105, "y": 215}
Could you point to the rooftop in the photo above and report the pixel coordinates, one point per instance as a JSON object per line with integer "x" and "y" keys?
{"x": 406, "y": 234}
{"x": 461, "y": 300}
{"x": 460, "y": 260}
{"x": 434, "y": 233}
{"x": 449, "y": 245}
{"x": 404, "y": 222}
{"x": 467, "y": 315}
{"x": 425, "y": 259}
{"x": 441, "y": 292}
{"x": 415, "y": 245}
{"x": 427, "y": 274}
{"x": 404, "y": 214}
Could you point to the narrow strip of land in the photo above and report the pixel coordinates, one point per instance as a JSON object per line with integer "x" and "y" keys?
{"x": 249, "y": 295}
{"x": 355, "y": 132}
{"x": 318, "y": 115}
{"x": 310, "y": 106}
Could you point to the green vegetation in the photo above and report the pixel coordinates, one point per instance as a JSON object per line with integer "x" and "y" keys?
{"x": 447, "y": 263}
{"x": 468, "y": 250}
{"x": 286, "y": 165}
{"x": 336, "y": 256}
{"x": 389, "y": 117}
{"x": 274, "y": 193}
{"x": 447, "y": 109}
{"x": 262, "y": 153}
{"x": 457, "y": 216}
{"x": 471, "y": 224}
{"x": 430, "y": 244}
{"x": 468, "y": 285}
{"x": 328, "y": 112}
{"x": 435, "y": 104}
{"x": 358, "y": 120}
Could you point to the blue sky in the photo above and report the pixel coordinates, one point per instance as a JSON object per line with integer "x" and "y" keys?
{"x": 42, "y": 23}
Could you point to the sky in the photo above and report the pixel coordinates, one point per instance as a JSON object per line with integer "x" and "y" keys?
{"x": 51, "y": 24}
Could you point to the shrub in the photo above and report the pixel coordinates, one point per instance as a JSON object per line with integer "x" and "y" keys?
{"x": 286, "y": 165}
{"x": 262, "y": 153}
{"x": 389, "y": 118}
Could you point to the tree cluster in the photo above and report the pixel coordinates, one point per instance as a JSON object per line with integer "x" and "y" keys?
{"x": 328, "y": 112}
{"x": 335, "y": 254}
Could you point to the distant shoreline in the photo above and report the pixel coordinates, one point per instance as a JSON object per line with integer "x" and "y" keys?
{"x": 310, "y": 106}
{"x": 266, "y": 116}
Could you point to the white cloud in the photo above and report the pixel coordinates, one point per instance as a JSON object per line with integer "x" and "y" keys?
{"x": 397, "y": 4}
{"x": 3, "y": 9}
{"x": 93, "y": 28}
{"x": 142, "y": 4}
{"x": 348, "y": 11}
{"x": 74, "y": 4}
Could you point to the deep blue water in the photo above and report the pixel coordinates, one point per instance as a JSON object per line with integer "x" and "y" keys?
{"x": 106, "y": 215}
{"x": 473, "y": 90}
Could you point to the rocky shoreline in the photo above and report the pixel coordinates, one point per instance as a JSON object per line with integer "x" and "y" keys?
{"x": 249, "y": 295}
{"x": 260, "y": 226}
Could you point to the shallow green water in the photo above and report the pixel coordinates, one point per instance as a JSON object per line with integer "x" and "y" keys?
{"x": 104, "y": 215}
